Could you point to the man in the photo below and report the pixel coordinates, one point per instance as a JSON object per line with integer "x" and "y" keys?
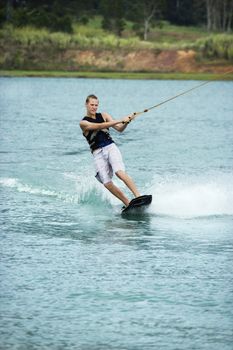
{"x": 107, "y": 157}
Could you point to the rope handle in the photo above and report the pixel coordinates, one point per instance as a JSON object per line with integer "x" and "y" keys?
{"x": 128, "y": 120}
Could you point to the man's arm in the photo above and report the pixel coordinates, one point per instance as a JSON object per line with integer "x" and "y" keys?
{"x": 86, "y": 126}
{"x": 122, "y": 124}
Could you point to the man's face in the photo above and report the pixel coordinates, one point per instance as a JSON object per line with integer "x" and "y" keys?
{"x": 92, "y": 106}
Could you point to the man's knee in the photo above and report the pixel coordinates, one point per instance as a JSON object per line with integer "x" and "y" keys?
{"x": 108, "y": 184}
{"x": 121, "y": 174}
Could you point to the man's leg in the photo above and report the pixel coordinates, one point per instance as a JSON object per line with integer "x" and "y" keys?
{"x": 116, "y": 161}
{"x": 128, "y": 181}
{"x": 116, "y": 192}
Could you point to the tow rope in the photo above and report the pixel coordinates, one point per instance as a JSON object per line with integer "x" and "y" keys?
{"x": 135, "y": 114}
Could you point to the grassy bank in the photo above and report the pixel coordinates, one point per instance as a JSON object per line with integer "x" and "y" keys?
{"x": 116, "y": 75}
{"x": 91, "y": 36}
{"x": 32, "y": 49}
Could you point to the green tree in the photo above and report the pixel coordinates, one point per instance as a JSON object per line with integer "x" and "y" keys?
{"x": 181, "y": 12}
{"x": 219, "y": 14}
{"x": 113, "y": 15}
{"x": 53, "y": 14}
{"x": 144, "y": 13}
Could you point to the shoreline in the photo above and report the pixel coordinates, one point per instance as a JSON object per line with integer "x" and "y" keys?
{"x": 116, "y": 75}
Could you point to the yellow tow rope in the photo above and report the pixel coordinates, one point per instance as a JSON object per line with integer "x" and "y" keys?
{"x": 135, "y": 114}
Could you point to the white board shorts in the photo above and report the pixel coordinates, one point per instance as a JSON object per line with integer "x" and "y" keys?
{"x": 108, "y": 161}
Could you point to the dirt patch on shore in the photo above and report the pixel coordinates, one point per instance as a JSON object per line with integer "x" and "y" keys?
{"x": 184, "y": 61}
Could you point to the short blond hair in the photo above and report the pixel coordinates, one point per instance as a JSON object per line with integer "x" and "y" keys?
{"x": 91, "y": 96}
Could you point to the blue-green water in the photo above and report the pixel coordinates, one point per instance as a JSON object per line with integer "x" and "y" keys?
{"x": 74, "y": 273}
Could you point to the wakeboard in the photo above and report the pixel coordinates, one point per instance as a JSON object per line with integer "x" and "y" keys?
{"x": 137, "y": 204}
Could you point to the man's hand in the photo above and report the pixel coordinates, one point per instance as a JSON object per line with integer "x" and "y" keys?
{"x": 128, "y": 119}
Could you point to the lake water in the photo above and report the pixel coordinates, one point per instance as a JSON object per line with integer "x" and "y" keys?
{"x": 75, "y": 274}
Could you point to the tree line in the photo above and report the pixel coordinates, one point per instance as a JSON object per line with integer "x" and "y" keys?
{"x": 59, "y": 15}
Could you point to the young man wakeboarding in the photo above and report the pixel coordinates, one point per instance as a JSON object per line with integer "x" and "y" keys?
{"x": 107, "y": 156}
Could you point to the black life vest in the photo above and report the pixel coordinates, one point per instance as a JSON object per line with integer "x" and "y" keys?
{"x": 97, "y": 138}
